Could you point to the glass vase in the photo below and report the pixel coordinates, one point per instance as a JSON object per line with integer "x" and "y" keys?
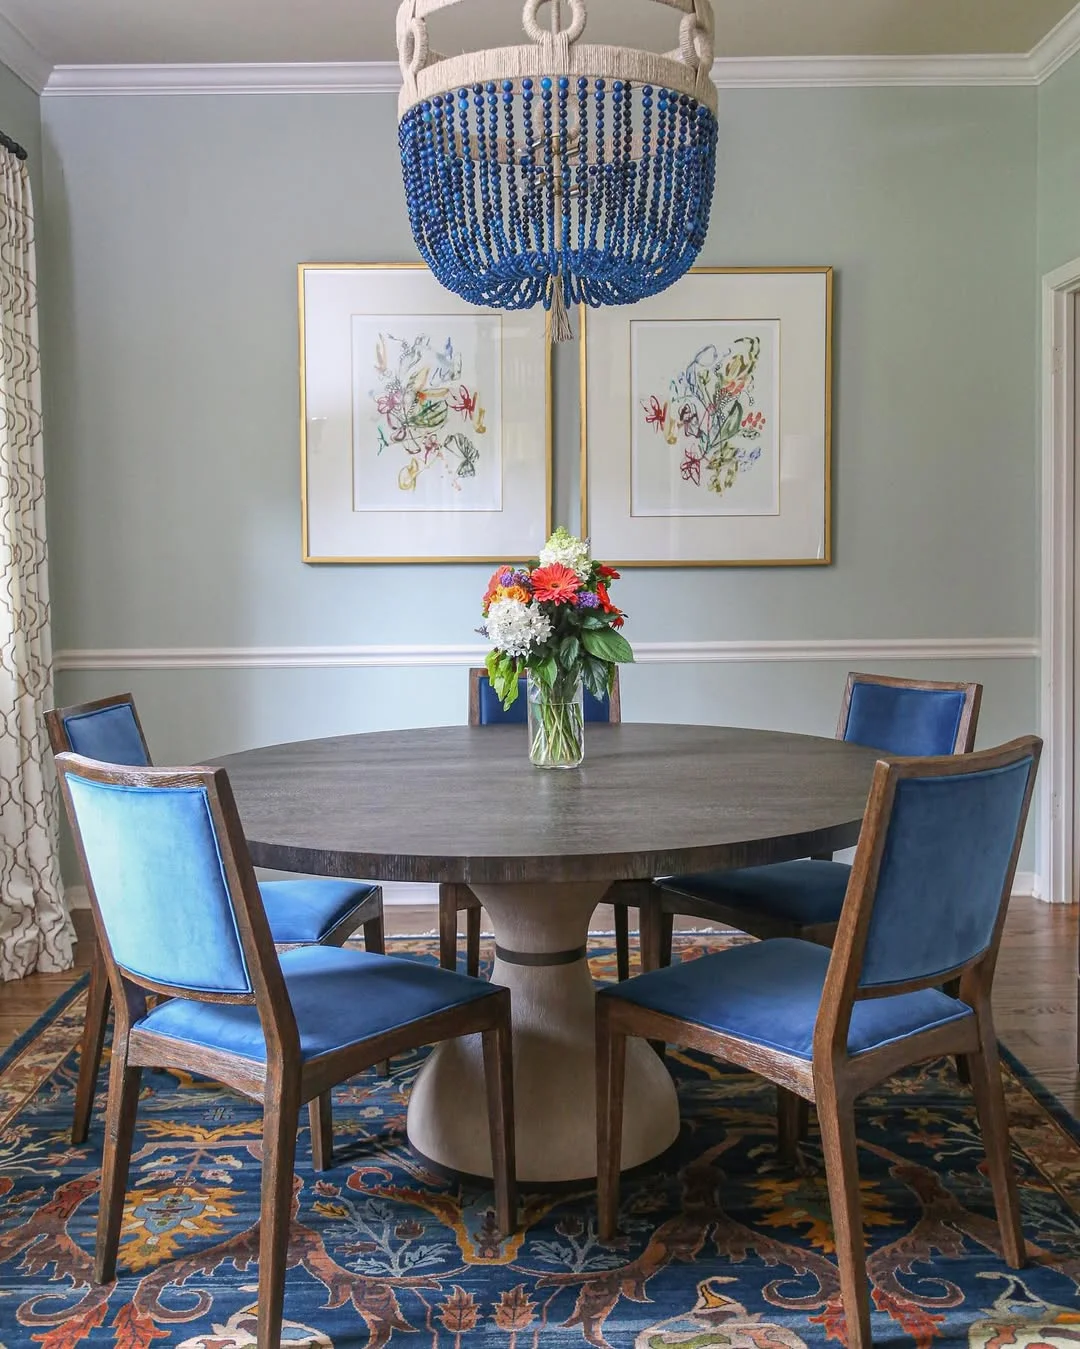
{"x": 556, "y": 725}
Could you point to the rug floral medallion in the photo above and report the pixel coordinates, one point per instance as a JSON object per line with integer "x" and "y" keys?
{"x": 720, "y": 1245}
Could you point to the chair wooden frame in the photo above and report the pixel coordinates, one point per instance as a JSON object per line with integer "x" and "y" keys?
{"x": 284, "y": 1082}
{"x": 454, "y": 898}
{"x": 98, "y": 996}
{"x": 661, "y": 905}
{"x": 833, "y": 1079}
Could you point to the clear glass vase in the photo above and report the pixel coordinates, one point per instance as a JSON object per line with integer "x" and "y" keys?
{"x": 556, "y": 725}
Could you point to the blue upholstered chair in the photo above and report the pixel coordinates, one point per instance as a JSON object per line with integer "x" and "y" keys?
{"x": 327, "y": 912}
{"x": 178, "y": 912}
{"x": 486, "y": 709}
{"x": 804, "y": 899}
{"x": 925, "y": 905}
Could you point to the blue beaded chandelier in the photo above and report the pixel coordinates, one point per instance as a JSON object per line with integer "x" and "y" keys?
{"x": 558, "y": 173}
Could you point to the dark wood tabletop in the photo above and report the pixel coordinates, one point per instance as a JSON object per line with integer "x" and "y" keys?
{"x": 464, "y": 804}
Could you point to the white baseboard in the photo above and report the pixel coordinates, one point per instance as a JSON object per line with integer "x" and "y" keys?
{"x": 400, "y": 894}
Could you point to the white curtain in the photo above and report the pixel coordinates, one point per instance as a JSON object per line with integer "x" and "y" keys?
{"x": 35, "y": 929}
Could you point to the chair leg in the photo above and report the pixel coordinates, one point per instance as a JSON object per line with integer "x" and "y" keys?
{"x": 836, "y": 1119}
{"x": 375, "y": 942}
{"x": 667, "y": 929}
{"x": 963, "y": 1071}
{"x": 119, "y": 1133}
{"x": 472, "y": 941}
{"x": 994, "y": 1124}
{"x": 650, "y": 919}
{"x": 622, "y": 942}
{"x": 321, "y": 1117}
{"x": 448, "y": 913}
{"x": 98, "y": 1000}
{"x": 610, "y": 1083}
{"x": 280, "y": 1118}
{"x": 375, "y": 936}
{"x": 499, "y": 1080}
{"x": 792, "y": 1124}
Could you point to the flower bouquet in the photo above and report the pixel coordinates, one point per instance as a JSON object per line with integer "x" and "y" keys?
{"x": 554, "y": 622}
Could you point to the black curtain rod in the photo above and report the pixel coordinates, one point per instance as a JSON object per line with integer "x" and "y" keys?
{"x": 14, "y": 146}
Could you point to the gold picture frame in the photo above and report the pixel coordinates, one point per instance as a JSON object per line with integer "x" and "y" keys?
{"x": 349, "y": 492}
{"x": 633, "y": 508}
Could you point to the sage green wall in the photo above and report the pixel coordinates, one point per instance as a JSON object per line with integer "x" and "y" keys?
{"x": 1059, "y": 168}
{"x": 174, "y": 226}
{"x": 20, "y": 118}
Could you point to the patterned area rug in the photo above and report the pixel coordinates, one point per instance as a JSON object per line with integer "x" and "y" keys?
{"x": 721, "y": 1246}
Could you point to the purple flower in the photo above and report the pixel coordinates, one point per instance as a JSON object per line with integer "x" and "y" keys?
{"x": 587, "y": 600}
{"x": 506, "y": 578}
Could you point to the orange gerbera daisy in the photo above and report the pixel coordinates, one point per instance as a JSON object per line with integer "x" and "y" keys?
{"x": 555, "y": 584}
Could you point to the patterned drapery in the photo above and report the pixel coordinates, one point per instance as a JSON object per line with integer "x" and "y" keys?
{"x": 35, "y": 930}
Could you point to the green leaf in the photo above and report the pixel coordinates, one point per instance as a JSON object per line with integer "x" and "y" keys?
{"x": 608, "y": 645}
{"x": 569, "y": 650}
{"x": 594, "y": 675}
{"x": 732, "y": 423}
{"x": 545, "y": 671}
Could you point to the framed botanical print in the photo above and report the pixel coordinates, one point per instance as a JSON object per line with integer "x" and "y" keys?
{"x": 706, "y": 422}
{"x": 425, "y": 423}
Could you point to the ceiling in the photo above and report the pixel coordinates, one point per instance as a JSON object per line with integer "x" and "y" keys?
{"x": 120, "y": 32}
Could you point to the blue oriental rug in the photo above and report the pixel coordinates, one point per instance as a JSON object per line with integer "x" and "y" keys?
{"x": 720, "y": 1245}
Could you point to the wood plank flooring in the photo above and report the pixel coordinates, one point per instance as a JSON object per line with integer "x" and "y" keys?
{"x": 1034, "y": 992}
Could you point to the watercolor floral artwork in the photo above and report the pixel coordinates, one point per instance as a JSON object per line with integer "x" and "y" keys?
{"x": 427, "y": 413}
{"x": 705, "y": 418}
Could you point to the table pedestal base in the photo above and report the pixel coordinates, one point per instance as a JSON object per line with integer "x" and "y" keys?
{"x": 540, "y": 934}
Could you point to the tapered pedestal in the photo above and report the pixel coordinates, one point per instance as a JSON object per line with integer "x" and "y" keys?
{"x": 541, "y": 933}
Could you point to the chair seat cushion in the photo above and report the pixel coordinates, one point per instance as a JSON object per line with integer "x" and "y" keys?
{"x": 795, "y": 892}
{"x": 309, "y": 910}
{"x": 768, "y": 992}
{"x": 339, "y": 997}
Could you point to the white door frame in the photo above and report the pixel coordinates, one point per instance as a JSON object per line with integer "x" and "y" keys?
{"x": 1057, "y": 864}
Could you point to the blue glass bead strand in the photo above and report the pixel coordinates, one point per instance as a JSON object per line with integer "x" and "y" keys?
{"x": 606, "y": 186}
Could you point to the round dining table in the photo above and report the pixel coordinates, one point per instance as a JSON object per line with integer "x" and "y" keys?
{"x": 539, "y": 848}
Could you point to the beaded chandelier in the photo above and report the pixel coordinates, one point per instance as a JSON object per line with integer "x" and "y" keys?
{"x": 558, "y": 173}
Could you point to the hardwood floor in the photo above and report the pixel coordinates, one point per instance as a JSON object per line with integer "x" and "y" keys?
{"x": 1034, "y": 992}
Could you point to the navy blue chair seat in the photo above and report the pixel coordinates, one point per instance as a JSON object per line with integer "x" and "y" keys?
{"x": 769, "y": 993}
{"x": 804, "y": 893}
{"x": 312, "y": 910}
{"x": 338, "y": 998}
{"x": 804, "y": 899}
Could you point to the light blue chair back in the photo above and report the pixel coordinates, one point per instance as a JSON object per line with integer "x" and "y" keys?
{"x": 908, "y": 721}
{"x": 109, "y": 733}
{"x": 153, "y": 859}
{"x": 492, "y": 712}
{"x": 945, "y": 865}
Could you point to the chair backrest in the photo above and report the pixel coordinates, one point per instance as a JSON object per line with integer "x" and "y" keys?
{"x": 108, "y": 730}
{"x": 486, "y": 709}
{"x": 170, "y": 880}
{"x": 933, "y": 871}
{"x": 909, "y": 716}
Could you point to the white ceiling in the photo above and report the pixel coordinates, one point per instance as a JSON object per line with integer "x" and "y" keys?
{"x": 78, "y": 32}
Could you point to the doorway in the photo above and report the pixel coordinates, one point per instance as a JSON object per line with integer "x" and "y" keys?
{"x": 1058, "y": 867}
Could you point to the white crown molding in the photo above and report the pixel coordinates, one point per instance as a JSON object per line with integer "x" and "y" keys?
{"x": 1062, "y": 42}
{"x": 22, "y": 58}
{"x": 328, "y": 77}
{"x": 382, "y": 77}
{"x": 845, "y": 651}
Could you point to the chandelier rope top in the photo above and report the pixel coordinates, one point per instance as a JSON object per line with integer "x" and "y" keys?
{"x": 558, "y": 173}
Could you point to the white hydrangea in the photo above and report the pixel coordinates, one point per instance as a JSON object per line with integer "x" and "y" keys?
{"x": 571, "y": 552}
{"x": 515, "y": 627}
